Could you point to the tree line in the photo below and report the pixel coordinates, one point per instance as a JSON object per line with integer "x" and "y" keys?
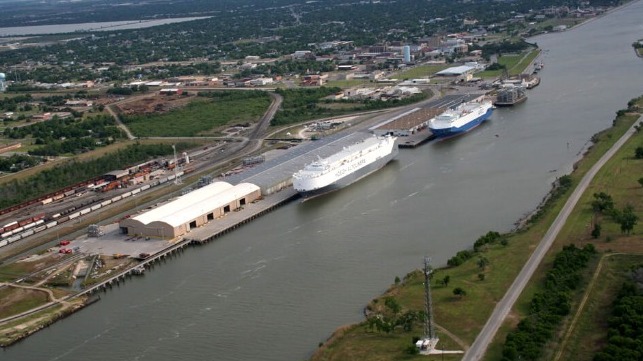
{"x": 549, "y": 306}
{"x": 65, "y": 174}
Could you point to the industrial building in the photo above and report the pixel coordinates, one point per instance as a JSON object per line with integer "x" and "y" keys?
{"x": 178, "y": 217}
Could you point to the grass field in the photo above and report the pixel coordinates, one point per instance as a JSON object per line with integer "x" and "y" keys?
{"x": 465, "y": 316}
{"x": 589, "y": 333}
{"x": 420, "y": 71}
{"x": 16, "y": 300}
{"x": 200, "y": 117}
{"x": 515, "y": 64}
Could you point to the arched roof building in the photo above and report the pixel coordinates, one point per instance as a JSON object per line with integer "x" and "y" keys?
{"x": 192, "y": 210}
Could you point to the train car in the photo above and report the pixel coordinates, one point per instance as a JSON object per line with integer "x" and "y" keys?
{"x": 63, "y": 219}
{"x": 145, "y": 187}
{"x": 11, "y": 226}
{"x": 74, "y": 215}
{"x": 84, "y": 211}
{"x": 57, "y": 215}
{"x": 58, "y": 196}
{"x": 171, "y": 177}
{"x": 18, "y": 230}
{"x": 95, "y": 207}
{"x": 27, "y": 234}
{"x": 127, "y": 194}
{"x": 69, "y": 193}
{"x": 25, "y": 222}
{"x": 107, "y": 202}
{"x": 162, "y": 180}
{"x": 13, "y": 238}
{"x": 117, "y": 198}
{"x": 136, "y": 191}
{"x": 46, "y": 201}
{"x": 40, "y": 228}
{"x": 51, "y": 224}
{"x": 29, "y": 225}
{"x": 3, "y": 243}
{"x": 6, "y": 234}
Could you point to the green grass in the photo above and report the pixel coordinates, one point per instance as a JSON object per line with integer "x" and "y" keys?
{"x": 590, "y": 333}
{"x": 200, "y": 117}
{"x": 515, "y": 64}
{"x": 421, "y": 71}
{"x": 24, "y": 300}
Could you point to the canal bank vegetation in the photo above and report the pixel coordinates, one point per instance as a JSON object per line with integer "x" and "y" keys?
{"x": 465, "y": 295}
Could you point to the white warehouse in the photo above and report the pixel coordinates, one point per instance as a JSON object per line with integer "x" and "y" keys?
{"x": 192, "y": 210}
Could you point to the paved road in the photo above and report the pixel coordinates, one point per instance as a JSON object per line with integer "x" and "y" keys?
{"x": 479, "y": 347}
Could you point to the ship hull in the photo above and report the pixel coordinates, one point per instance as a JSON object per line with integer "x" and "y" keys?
{"x": 453, "y": 131}
{"x": 508, "y": 104}
{"x": 351, "y": 177}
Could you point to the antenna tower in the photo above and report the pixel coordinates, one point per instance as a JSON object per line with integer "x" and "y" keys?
{"x": 176, "y": 165}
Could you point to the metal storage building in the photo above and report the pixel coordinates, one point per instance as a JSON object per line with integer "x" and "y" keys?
{"x": 178, "y": 217}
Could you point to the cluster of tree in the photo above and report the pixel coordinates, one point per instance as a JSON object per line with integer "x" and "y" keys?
{"x": 17, "y": 162}
{"x": 504, "y": 47}
{"x": 490, "y": 237}
{"x": 289, "y": 67}
{"x": 625, "y": 334}
{"x": 604, "y": 204}
{"x": 15, "y": 192}
{"x": 61, "y": 136}
{"x": 392, "y": 318}
{"x": 120, "y": 90}
{"x": 233, "y": 95}
{"x": 11, "y": 104}
{"x": 549, "y": 306}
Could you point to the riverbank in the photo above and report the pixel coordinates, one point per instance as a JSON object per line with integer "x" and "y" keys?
{"x": 484, "y": 277}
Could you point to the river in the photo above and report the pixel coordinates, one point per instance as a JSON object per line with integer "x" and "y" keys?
{"x": 276, "y": 287}
{"x": 87, "y": 27}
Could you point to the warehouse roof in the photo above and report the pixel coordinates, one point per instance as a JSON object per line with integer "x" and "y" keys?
{"x": 170, "y": 209}
{"x": 206, "y": 205}
{"x": 456, "y": 70}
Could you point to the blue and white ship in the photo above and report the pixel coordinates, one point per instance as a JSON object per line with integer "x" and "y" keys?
{"x": 461, "y": 119}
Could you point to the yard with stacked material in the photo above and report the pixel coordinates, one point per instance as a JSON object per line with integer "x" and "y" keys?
{"x": 465, "y": 293}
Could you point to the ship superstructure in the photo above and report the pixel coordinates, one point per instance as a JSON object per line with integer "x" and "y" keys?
{"x": 346, "y": 166}
{"x": 460, "y": 119}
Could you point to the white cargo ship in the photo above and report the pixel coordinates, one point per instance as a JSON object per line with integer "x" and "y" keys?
{"x": 345, "y": 167}
{"x": 463, "y": 118}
